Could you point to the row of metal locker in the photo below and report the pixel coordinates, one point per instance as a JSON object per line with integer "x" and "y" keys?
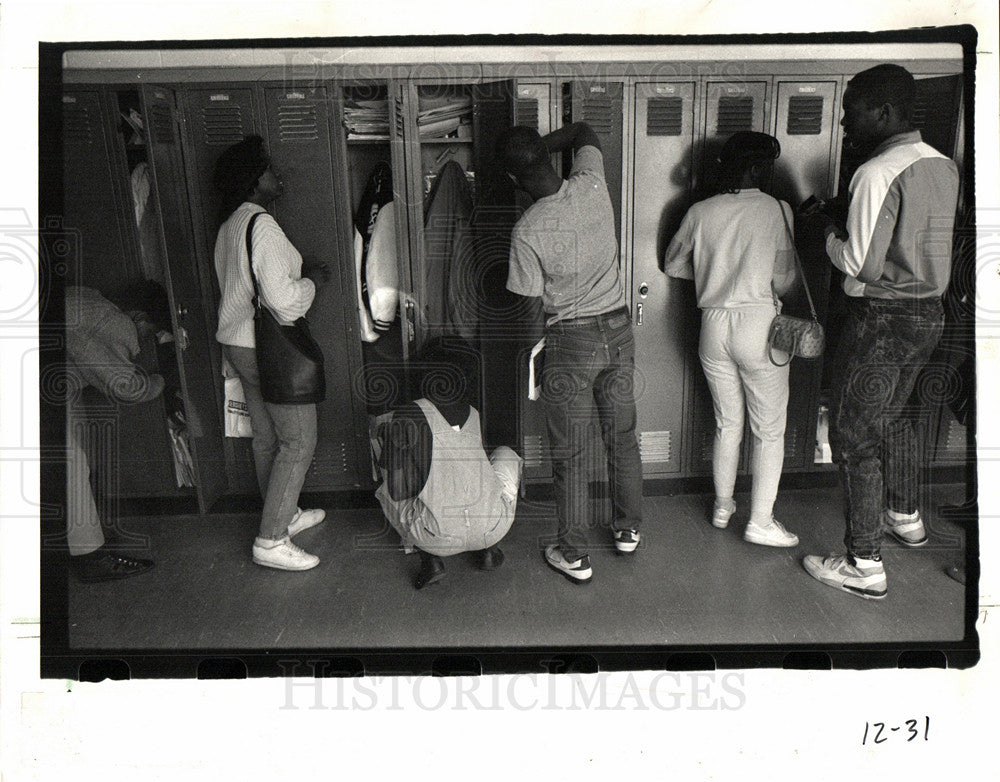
{"x": 659, "y": 139}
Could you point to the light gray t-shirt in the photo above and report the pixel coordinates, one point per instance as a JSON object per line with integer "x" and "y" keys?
{"x": 564, "y": 247}
{"x": 733, "y": 245}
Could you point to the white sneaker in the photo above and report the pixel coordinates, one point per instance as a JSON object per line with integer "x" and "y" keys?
{"x": 282, "y": 555}
{"x": 721, "y": 514}
{"x": 304, "y": 519}
{"x": 909, "y": 532}
{"x": 773, "y": 534}
{"x": 867, "y": 581}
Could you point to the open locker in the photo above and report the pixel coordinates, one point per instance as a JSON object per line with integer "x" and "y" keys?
{"x": 537, "y": 106}
{"x": 459, "y": 215}
{"x": 170, "y": 445}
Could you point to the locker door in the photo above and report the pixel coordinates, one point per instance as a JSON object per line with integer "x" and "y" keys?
{"x": 407, "y": 187}
{"x": 600, "y": 105}
{"x": 805, "y": 126}
{"x": 298, "y": 139}
{"x": 660, "y": 180}
{"x": 91, "y": 204}
{"x": 215, "y": 119}
{"x": 729, "y": 107}
{"x": 493, "y": 219}
{"x": 191, "y": 330}
{"x": 532, "y": 107}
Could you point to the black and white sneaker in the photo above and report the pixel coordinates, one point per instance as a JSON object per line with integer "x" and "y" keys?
{"x": 626, "y": 540}
{"x": 578, "y": 571}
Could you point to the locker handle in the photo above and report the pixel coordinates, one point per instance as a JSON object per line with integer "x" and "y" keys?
{"x": 410, "y": 330}
{"x": 638, "y": 314}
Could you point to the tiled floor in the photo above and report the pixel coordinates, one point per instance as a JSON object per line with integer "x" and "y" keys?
{"x": 689, "y": 584}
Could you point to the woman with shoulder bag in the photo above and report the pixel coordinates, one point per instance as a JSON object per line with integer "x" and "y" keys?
{"x": 737, "y": 249}
{"x": 257, "y": 265}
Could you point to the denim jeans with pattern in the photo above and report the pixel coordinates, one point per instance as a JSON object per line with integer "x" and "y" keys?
{"x": 884, "y": 347}
{"x": 590, "y": 363}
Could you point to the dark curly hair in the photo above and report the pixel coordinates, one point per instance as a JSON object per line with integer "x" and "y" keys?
{"x": 236, "y": 173}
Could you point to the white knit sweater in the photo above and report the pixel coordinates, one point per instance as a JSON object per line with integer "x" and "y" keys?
{"x": 277, "y": 266}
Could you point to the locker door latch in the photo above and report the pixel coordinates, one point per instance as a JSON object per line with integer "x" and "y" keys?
{"x": 638, "y": 314}
{"x": 411, "y": 333}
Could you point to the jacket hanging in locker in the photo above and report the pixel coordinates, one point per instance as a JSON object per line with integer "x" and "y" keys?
{"x": 451, "y": 273}
{"x": 377, "y": 275}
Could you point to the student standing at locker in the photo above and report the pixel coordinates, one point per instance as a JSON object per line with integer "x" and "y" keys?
{"x": 284, "y": 436}
{"x": 896, "y": 257}
{"x": 564, "y": 249}
{"x": 737, "y": 248}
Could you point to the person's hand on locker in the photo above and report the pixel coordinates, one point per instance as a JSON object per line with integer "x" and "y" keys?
{"x": 317, "y": 271}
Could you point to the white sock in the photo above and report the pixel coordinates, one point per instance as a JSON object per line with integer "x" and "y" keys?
{"x": 862, "y": 562}
{"x": 896, "y": 516}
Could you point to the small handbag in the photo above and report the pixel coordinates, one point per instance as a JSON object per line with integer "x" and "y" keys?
{"x": 289, "y": 360}
{"x": 795, "y": 336}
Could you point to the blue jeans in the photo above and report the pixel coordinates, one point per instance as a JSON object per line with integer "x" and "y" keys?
{"x": 284, "y": 439}
{"x": 884, "y": 347}
{"x": 590, "y": 362}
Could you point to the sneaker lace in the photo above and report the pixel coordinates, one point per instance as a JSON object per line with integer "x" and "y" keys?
{"x": 294, "y": 550}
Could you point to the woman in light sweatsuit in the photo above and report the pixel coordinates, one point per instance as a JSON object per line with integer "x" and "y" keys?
{"x": 737, "y": 249}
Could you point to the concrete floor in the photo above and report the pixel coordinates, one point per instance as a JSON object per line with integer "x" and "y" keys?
{"x": 689, "y": 584}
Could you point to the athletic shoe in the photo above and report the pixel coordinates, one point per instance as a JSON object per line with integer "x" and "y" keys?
{"x": 578, "y": 571}
{"x": 909, "y": 533}
{"x": 304, "y": 519}
{"x": 773, "y": 534}
{"x": 104, "y": 565}
{"x": 626, "y": 540}
{"x": 721, "y": 515}
{"x": 867, "y": 581}
{"x": 282, "y": 555}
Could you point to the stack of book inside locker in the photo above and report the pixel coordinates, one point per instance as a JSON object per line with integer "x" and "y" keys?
{"x": 446, "y": 116}
{"x": 367, "y": 119}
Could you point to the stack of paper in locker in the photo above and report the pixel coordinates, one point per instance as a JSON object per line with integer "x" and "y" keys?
{"x": 367, "y": 118}
{"x": 443, "y": 116}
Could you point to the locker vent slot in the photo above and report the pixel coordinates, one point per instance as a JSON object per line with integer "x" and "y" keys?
{"x": 162, "y": 121}
{"x": 655, "y": 446}
{"x": 707, "y": 444}
{"x": 805, "y": 115}
{"x": 533, "y": 451}
{"x": 297, "y": 122}
{"x": 222, "y": 125}
{"x": 956, "y": 437}
{"x": 526, "y": 112}
{"x": 76, "y": 124}
{"x": 599, "y": 113}
{"x": 665, "y": 116}
{"x": 735, "y": 113}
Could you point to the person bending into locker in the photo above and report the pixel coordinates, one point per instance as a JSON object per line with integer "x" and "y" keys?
{"x": 284, "y": 436}
{"x": 896, "y": 258}
{"x": 564, "y": 249}
{"x": 439, "y": 489}
{"x": 737, "y": 249}
{"x": 102, "y": 344}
